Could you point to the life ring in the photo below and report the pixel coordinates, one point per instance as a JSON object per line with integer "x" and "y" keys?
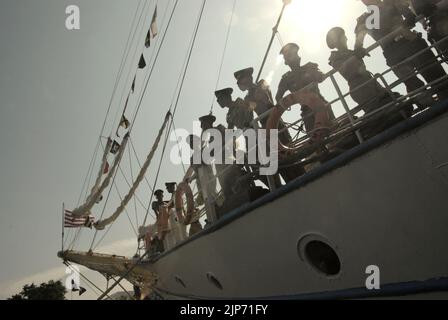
{"x": 322, "y": 120}
{"x": 183, "y": 188}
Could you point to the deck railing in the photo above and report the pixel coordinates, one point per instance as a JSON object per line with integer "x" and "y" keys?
{"x": 347, "y": 123}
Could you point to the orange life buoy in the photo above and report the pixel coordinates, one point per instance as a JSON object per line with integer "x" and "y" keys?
{"x": 183, "y": 188}
{"x": 309, "y": 98}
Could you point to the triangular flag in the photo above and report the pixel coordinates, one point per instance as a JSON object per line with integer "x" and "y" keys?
{"x": 148, "y": 39}
{"x": 81, "y": 291}
{"x": 115, "y": 147}
{"x": 133, "y": 86}
{"x": 154, "y": 29}
{"x": 121, "y": 121}
{"x": 124, "y": 122}
{"x": 142, "y": 62}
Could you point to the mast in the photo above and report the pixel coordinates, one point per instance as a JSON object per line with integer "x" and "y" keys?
{"x": 274, "y": 32}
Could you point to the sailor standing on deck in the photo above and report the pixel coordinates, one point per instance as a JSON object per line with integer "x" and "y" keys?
{"x": 239, "y": 115}
{"x": 298, "y": 78}
{"x": 205, "y": 180}
{"x": 159, "y": 202}
{"x": 228, "y": 174}
{"x": 395, "y": 14}
{"x": 259, "y": 99}
{"x": 157, "y": 243}
{"x": 436, "y": 14}
{"x": 369, "y": 94}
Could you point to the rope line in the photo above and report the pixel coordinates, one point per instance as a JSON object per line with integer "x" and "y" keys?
{"x": 224, "y": 53}
{"x": 144, "y": 13}
{"x": 132, "y": 178}
{"x": 195, "y": 33}
{"x": 138, "y": 108}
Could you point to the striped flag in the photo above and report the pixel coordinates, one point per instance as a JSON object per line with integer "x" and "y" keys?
{"x": 71, "y": 221}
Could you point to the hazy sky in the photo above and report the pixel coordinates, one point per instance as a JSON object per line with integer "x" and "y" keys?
{"x": 55, "y": 86}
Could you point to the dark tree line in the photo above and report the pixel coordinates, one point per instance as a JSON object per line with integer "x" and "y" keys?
{"x": 52, "y": 290}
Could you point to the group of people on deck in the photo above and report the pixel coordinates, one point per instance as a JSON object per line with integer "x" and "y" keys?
{"x": 409, "y": 55}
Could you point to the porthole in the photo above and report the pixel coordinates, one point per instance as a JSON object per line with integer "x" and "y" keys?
{"x": 180, "y": 281}
{"x": 214, "y": 281}
{"x": 321, "y": 256}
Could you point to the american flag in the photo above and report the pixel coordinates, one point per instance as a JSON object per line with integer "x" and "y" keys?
{"x": 71, "y": 221}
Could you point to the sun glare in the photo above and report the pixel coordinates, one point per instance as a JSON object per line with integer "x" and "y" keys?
{"x": 309, "y": 20}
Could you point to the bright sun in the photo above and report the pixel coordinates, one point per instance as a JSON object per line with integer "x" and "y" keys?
{"x": 309, "y": 20}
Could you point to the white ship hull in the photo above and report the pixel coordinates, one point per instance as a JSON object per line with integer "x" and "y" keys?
{"x": 384, "y": 203}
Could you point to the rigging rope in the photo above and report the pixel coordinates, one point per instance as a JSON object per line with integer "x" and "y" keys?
{"x": 117, "y": 162}
{"x": 89, "y": 173}
{"x": 153, "y": 66}
{"x": 178, "y": 147}
{"x": 132, "y": 178}
{"x": 145, "y": 12}
{"x": 126, "y": 211}
{"x": 130, "y": 185}
{"x": 68, "y": 264}
{"x": 84, "y": 210}
{"x": 157, "y": 178}
{"x": 117, "y": 79}
{"x": 139, "y": 163}
{"x": 100, "y": 225}
{"x": 169, "y": 129}
{"x": 224, "y": 53}
{"x": 280, "y": 40}
{"x": 187, "y": 63}
{"x": 141, "y": 99}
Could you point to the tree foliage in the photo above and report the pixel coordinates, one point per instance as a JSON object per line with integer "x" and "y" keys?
{"x": 52, "y": 290}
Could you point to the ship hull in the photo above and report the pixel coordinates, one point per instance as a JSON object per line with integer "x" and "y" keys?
{"x": 382, "y": 204}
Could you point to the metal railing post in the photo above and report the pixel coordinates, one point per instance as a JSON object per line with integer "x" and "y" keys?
{"x": 390, "y": 92}
{"x": 347, "y": 109}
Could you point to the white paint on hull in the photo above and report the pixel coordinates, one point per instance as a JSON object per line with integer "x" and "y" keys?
{"x": 387, "y": 207}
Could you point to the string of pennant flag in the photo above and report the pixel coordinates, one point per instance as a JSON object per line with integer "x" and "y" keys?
{"x": 124, "y": 122}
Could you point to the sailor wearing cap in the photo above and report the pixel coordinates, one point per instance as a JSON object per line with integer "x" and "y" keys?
{"x": 207, "y": 122}
{"x": 369, "y": 94}
{"x": 299, "y": 76}
{"x": 259, "y": 97}
{"x": 394, "y": 15}
{"x": 159, "y": 202}
{"x": 436, "y": 14}
{"x": 227, "y": 174}
{"x": 239, "y": 115}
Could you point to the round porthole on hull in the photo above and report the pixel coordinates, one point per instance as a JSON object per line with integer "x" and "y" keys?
{"x": 214, "y": 281}
{"x": 320, "y": 255}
